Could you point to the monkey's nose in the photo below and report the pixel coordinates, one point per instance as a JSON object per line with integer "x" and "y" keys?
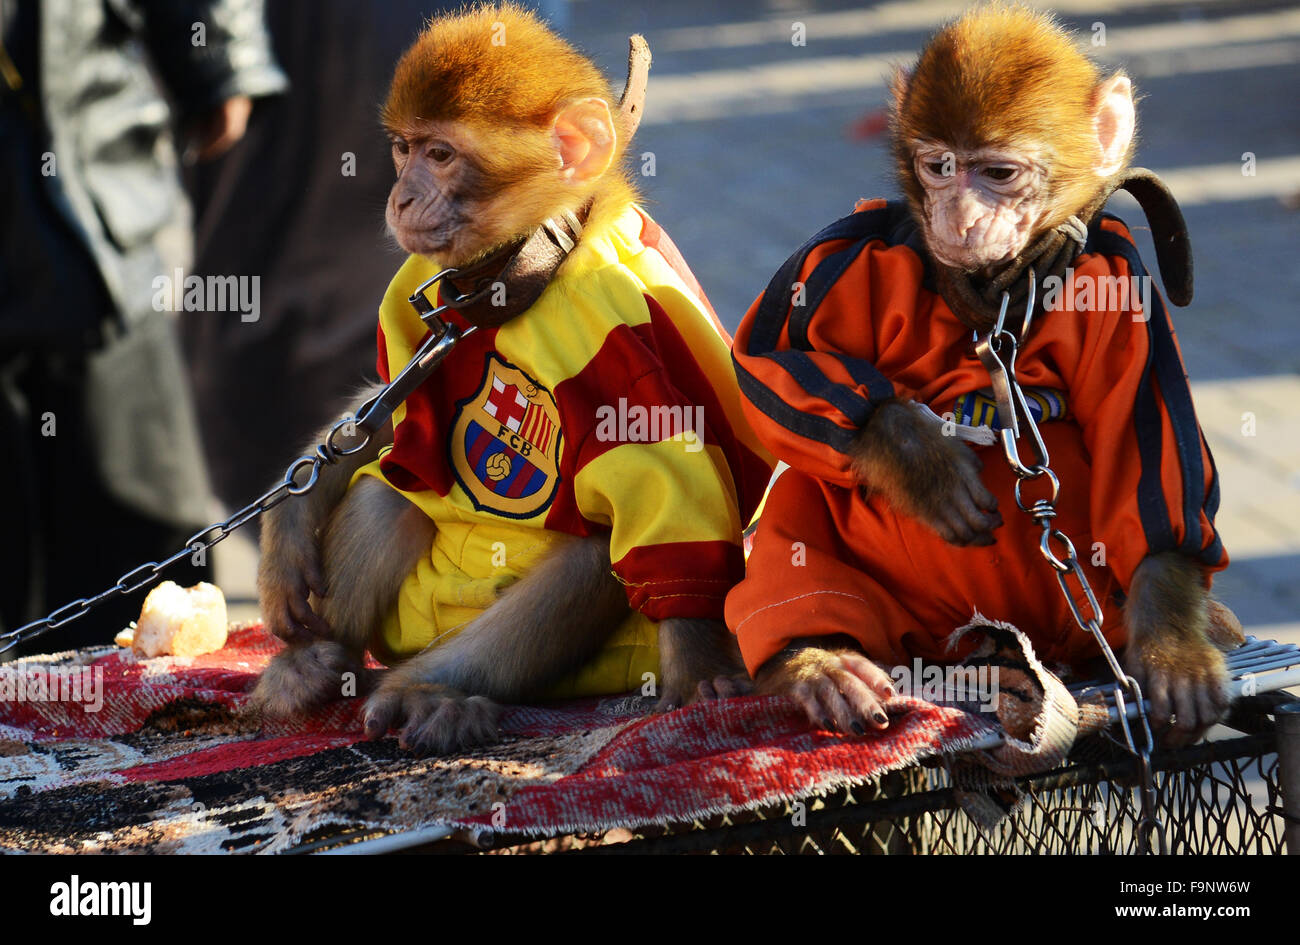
{"x": 967, "y": 222}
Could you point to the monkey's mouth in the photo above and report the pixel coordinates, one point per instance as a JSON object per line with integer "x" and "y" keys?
{"x": 987, "y": 244}
{"x": 424, "y": 240}
{"x": 972, "y": 258}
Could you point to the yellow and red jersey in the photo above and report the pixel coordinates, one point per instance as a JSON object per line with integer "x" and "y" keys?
{"x": 854, "y": 318}
{"x": 610, "y": 406}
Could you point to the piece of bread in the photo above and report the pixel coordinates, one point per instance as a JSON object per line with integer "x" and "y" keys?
{"x": 180, "y": 621}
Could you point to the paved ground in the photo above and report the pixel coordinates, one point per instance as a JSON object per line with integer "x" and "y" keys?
{"x": 753, "y": 153}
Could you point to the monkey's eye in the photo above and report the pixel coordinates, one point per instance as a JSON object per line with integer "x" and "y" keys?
{"x": 400, "y": 146}
{"x": 935, "y": 167}
{"x": 1000, "y": 173}
{"x": 441, "y": 155}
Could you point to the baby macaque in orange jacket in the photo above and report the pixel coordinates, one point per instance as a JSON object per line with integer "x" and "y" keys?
{"x": 888, "y": 532}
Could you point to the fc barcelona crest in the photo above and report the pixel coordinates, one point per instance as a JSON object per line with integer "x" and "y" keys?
{"x": 505, "y": 443}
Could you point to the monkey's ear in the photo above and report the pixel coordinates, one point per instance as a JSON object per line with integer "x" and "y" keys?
{"x": 899, "y": 83}
{"x": 585, "y": 139}
{"x": 1113, "y": 122}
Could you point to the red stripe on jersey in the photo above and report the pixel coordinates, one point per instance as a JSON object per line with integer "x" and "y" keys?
{"x": 522, "y": 478}
{"x": 418, "y": 459}
{"x": 527, "y": 424}
{"x": 382, "y": 364}
{"x": 655, "y": 238}
{"x": 637, "y": 357}
{"x": 657, "y": 597}
{"x": 545, "y": 429}
{"x": 750, "y": 470}
{"x": 536, "y": 427}
{"x": 400, "y": 478}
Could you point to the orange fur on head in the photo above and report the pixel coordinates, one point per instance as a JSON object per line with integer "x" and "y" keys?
{"x": 493, "y": 78}
{"x": 1004, "y": 76}
{"x": 495, "y": 64}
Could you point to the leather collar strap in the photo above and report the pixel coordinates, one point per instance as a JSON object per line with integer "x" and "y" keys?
{"x": 976, "y": 301}
{"x": 507, "y": 283}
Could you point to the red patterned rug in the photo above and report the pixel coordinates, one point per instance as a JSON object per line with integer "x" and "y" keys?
{"x": 103, "y": 753}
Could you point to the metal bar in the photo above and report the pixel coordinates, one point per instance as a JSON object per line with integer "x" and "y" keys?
{"x": 1236, "y": 672}
{"x": 1288, "y": 771}
{"x": 1238, "y": 687}
{"x": 393, "y": 842}
{"x": 1264, "y": 663}
{"x": 1254, "y": 643}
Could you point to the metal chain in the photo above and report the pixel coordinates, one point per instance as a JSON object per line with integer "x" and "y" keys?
{"x": 367, "y": 421}
{"x": 997, "y": 352}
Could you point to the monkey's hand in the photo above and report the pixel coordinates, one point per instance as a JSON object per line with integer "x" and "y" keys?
{"x": 925, "y": 475}
{"x": 699, "y": 659}
{"x": 433, "y": 718}
{"x": 1170, "y": 653}
{"x": 1185, "y": 682}
{"x": 840, "y": 690}
{"x": 1225, "y": 630}
{"x": 289, "y": 572}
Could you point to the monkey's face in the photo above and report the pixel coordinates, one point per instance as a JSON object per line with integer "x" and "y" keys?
{"x": 1002, "y": 130}
{"x": 464, "y": 190}
{"x": 431, "y": 204}
{"x": 495, "y": 127}
{"x": 981, "y": 206}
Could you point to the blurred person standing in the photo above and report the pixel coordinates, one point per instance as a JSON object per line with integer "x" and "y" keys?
{"x": 103, "y": 467}
{"x": 300, "y": 203}
{"x": 313, "y": 173}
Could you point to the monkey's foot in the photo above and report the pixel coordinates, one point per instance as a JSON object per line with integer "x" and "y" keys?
{"x": 722, "y": 686}
{"x": 839, "y": 690}
{"x": 699, "y": 659}
{"x": 434, "y": 719}
{"x": 301, "y": 678}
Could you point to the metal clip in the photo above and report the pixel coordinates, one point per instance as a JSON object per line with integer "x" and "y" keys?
{"x": 1029, "y": 304}
{"x": 986, "y": 349}
{"x": 1013, "y": 408}
{"x": 375, "y": 412}
{"x": 427, "y": 311}
{"x": 561, "y": 238}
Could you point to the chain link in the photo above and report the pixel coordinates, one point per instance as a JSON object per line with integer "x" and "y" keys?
{"x": 362, "y": 427}
{"x": 997, "y": 352}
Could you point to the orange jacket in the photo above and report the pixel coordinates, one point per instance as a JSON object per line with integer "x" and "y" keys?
{"x": 853, "y": 318}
